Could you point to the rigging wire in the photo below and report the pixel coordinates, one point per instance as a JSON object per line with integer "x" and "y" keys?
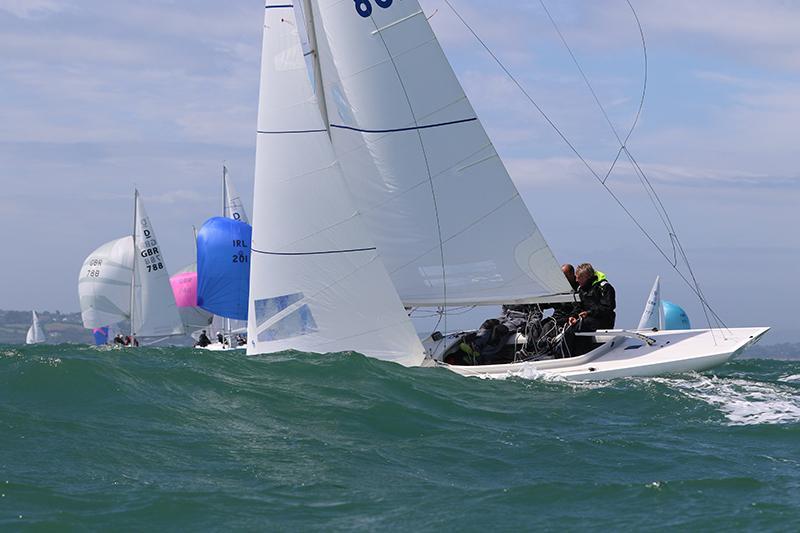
{"x": 648, "y": 187}
{"x": 677, "y": 248}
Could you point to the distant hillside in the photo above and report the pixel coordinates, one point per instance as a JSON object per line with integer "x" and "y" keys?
{"x": 785, "y": 350}
{"x": 59, "y": 328}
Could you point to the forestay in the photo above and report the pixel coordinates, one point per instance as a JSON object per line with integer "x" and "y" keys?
{"x": 155, "y": 313}
{"x": 104, "y": 284}
{"x": 317, "y": 282}
{"x": 441, "y": 207}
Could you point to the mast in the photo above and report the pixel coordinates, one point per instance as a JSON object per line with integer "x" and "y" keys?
{"x": 308, "y": 14}
{"x": 226, "y": 323}
{"x": 133, "y": 271}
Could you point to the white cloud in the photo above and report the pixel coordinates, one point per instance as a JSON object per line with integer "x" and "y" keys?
{"x": 32, "y": 8}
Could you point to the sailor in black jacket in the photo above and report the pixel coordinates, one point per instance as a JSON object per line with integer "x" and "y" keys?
{"x": 598, "y": 300}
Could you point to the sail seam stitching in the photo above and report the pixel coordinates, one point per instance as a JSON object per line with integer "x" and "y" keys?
{"x": 321, "y": 252}
{"x": 279, "y": 132}
{"x": 409, "y": 128}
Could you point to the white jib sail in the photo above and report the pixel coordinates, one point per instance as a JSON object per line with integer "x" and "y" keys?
{"x": 104, "y": 284}
{"x": 234, "y": 208}
{"x": 317, "y": 282}
{"x": 155, "y": 313}
{"x": 449, "y": 222}
{"x": 35, "y": 332}
{"x": 653, "y": 315}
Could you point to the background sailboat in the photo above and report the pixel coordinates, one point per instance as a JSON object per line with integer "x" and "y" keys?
{"x": 223, "y": 274}
{"x": 35, "y": 333}
{"x": 127, "y": 279}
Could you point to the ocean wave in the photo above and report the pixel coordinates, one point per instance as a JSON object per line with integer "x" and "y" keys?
{"x": 742, "y": 402}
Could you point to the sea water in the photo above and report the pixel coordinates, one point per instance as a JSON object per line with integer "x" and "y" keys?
{"x": 181, "y": 439}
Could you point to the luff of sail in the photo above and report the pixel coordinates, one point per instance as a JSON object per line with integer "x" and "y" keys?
{"x": 317, "y": 282}
{"x": 104, "y": 284}
{"x": 155, "y": 313}
{"x": 449, "y": 222}
{"x": 35, "y": 333}
{"x": 234, "y": 207}
{"x": 653, "y": 314}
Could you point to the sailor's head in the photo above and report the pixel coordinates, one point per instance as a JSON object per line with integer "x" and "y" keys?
{"x": 204, "y": 332}
{"x": 569, "y": 273}
{"x": 584, "y": 274}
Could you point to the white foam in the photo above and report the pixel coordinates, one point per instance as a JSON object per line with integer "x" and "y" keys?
{"x": 743, "y": 402}
{"x": 790, "y": 379}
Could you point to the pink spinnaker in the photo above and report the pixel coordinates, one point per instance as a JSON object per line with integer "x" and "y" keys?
{"x": 184, "y": 287}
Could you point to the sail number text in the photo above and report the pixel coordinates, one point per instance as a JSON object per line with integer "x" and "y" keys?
{"x": 364, "y": 7}
{"x": 94, "y": 267}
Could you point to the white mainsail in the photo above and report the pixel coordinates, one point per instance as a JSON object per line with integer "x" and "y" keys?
{"x": 233, "y": 206}
{"x": 317, "y": 282}
{"x": 449, "y": 222}
{"x": 653, "y": 315}
{"x": 104, "y": 284}
{"x": 35, "y": 332}
{"x": 154, "y": 311}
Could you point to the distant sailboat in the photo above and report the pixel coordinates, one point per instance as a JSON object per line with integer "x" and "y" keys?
{"x": 378, "y": 189}
{"x": 127, "y": 279}
{"x": 662, "y": 314}
{"x": 35, "y": 332}
{"x": 184, "y": 287}
{"x": 223, "y": 273}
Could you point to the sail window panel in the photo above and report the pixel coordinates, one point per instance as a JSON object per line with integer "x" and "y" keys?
{"x": 350, "y": 299}
{"x": 302, "y": 205}
{"x": 488, "y": 277}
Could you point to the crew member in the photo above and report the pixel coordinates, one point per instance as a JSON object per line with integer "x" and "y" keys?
{"x": 203, "y": 340}
{"x": 597, "y": 308}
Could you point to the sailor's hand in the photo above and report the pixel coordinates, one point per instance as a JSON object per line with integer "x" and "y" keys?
{"x": 583, "y": 314}
{"x": 573, "y": 321}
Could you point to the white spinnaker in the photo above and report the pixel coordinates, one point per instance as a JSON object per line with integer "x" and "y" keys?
{"x": 234, "y": 208}
{"x": 155, "y": 313}
{"x": 104, "y": 284}
{"x": 653, "y": 315}
{"x": 35, "y": 332}
{"x": 317, "y": 283}
{"x": 420, "y": 165}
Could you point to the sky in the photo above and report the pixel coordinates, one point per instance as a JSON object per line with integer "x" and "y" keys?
{"x": 97, "y": 97}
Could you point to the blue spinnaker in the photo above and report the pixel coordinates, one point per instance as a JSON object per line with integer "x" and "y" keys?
{"x": 674, "y": 316}
{"x": 223, "y": 267}
{"x": 100, "y": 336}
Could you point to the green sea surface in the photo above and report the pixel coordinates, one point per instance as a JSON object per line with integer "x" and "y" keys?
{"x": 181, "y": 439}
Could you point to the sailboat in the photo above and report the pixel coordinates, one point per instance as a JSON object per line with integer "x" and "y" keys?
{"x": 223, "y": 259}
{"x": 184, "y": 288}
{"x": 377, "y": 190}
{"x": 35, "y": 333}
{"x": 127, "y": 279}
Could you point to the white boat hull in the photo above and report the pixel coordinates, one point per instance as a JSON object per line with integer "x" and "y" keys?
{"x": 674, "y": 351}
{"x": 218, "y": 347}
